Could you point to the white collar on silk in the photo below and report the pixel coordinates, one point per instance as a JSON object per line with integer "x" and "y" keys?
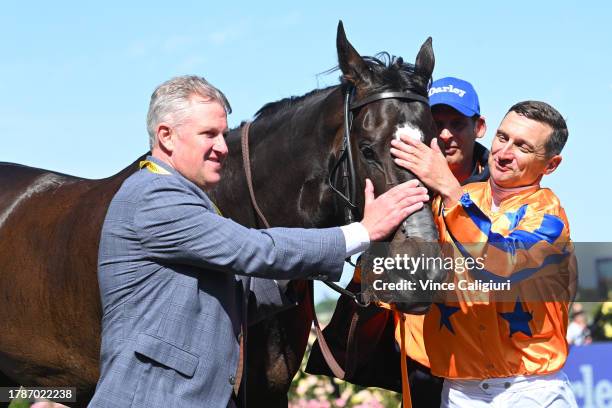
{"x": 499, "y": 193}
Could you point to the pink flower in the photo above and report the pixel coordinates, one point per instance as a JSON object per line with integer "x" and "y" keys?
{"x": 340, "y": 402}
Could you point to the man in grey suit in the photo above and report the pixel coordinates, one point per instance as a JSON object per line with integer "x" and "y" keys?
{"x": 169, "y": 265}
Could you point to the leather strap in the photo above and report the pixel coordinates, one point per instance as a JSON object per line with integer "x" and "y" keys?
{"x": 239, "y": 368}
{"x": 246, "y": 161}
{"x": 406, "y": 397}
{"x": 327, "y": 354}
{"x": 239, "y": 386}
{"x": 389, "y": 95}
{"x": 351, "y": 364}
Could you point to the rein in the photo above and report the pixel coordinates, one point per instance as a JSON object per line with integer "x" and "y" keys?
{"x": 246, "y": 161}
{"x": 347, "y": 197}
{"x": 327, "y": 354}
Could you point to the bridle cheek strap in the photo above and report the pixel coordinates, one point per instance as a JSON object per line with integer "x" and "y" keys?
{"x": 347, "y": 190}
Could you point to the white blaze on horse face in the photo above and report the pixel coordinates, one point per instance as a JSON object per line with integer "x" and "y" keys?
{"x": 410, "y": 131}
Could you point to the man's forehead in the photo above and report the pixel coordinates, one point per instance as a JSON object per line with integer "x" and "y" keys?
{"x": 442, "y": 110}
{"x": 211, "y": 106}
{"x": 206, "y": 114}
{"x": 521, "y": 127}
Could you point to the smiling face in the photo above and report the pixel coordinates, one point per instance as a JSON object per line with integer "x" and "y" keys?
{"x": 196, "y": 146}
{"x": 518, "y": 153}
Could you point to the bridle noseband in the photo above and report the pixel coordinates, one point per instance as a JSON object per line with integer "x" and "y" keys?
{"x": 345, "y": 158}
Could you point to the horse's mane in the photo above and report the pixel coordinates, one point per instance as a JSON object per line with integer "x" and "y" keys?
{"x": 285, "y": 104}
{"x": 392, "y": 73}
{"x": 388, "y": 73}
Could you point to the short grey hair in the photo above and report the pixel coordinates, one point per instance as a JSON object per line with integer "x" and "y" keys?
{"x": 171, "y": 101}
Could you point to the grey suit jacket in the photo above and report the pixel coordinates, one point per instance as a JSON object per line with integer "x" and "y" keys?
{"x": 167, "y": 269}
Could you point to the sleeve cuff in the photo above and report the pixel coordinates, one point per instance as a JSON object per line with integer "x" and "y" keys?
{"x": 465, "y": 201}
{"x": 356, "y": 237}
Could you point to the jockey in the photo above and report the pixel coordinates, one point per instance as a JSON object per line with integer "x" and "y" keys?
{"x": 456, "y": 112}
{"x": 455, "y": 108}
{"x": 491, "y": 347}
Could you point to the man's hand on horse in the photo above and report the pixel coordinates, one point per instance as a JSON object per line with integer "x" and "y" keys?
{"x": 429, "y": 165}
{"x": 383, "y": 214}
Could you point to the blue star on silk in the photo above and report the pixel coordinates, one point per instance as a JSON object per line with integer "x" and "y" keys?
{"x": 445, "y": 313}
{"x": 519, "y": 319}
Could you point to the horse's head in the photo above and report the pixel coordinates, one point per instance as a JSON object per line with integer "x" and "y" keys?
{"x": 382, "y": 98}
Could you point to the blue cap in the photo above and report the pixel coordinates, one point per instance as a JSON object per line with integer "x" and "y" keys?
{"x": 456, "y": 93}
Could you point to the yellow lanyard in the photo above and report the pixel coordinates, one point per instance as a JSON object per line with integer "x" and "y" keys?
{"x": 157, "y": 169}
{"x": 152, "y": 167}
{"x": 217, "y": 210}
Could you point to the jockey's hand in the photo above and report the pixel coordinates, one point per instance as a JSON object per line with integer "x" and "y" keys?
{"x": 382, "y": 215}
{"x": 429, "y": 165}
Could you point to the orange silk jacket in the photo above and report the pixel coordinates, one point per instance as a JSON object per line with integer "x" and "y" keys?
{"x": 474, "y": 334}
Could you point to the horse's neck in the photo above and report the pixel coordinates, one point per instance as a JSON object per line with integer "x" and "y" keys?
{"x": 290, "y": 159}
{"x": 107, "y": 187}
{"x": 127, "y": 171}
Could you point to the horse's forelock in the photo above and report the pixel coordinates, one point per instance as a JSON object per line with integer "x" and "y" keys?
{"x": 391, "y": 72}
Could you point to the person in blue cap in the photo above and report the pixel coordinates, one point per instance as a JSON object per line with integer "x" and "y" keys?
{"x": 456, "y": 111}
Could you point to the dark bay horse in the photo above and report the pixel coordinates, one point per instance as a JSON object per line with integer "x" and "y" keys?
{"x": 294, "y": 144}
{"x": 50, "y": 223}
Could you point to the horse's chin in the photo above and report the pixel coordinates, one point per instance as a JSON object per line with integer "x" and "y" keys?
{"x": 419, "y": 300}
{"x": 410, "y": 244}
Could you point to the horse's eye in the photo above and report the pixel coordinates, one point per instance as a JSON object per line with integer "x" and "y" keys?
{"x": 368, "y": 153}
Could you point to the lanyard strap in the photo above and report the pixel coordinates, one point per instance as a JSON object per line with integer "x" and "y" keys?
{"x": 157, "y": 169}
{"x": 153, "y": 167}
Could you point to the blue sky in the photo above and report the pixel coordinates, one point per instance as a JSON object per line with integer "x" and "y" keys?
{"x": 76, "y": 78}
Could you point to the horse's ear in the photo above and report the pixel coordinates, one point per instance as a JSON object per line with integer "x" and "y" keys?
{"x": 351, "y": 64}
{"x": 425, "y": 59}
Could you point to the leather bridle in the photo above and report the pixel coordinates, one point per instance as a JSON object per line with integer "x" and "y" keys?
{"x": 345, "y": 162}
{"x": 347, "y": 197}
{"x": 345, "y": 157}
